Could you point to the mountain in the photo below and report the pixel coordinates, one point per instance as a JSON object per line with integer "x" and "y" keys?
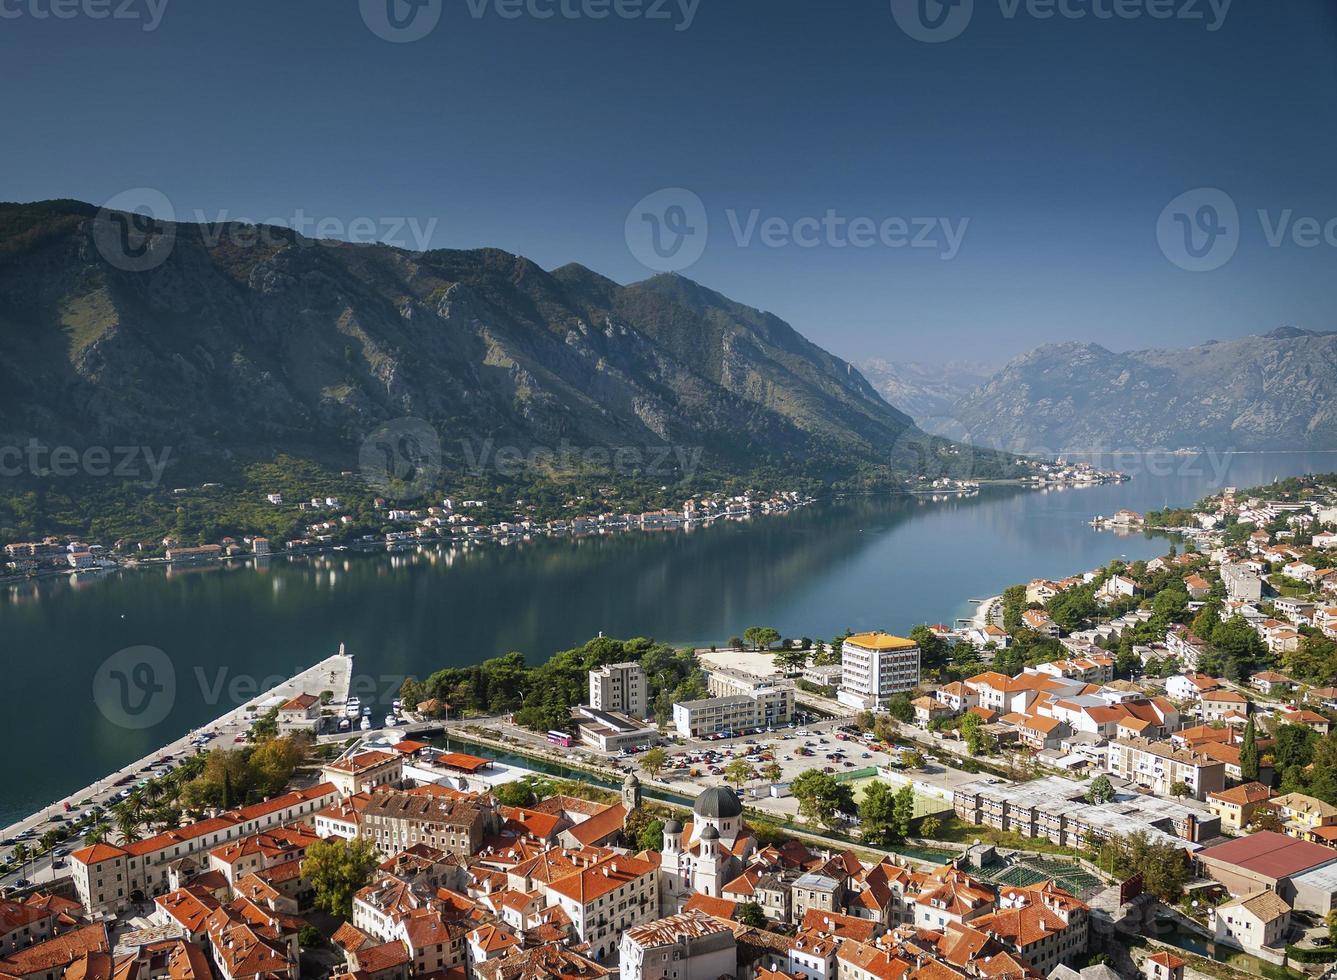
{"x": 1274, "y": 391}
{"x": 928, "y": 393}
{"x": 237, "y": 342}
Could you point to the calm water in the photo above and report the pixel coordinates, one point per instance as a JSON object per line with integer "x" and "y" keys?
{"x": 886, "y": 562}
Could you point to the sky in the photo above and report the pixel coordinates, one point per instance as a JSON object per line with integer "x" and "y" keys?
{"x": 896, "y": 178}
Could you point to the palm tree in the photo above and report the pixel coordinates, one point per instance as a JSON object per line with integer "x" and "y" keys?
{"x": 97, "y": 834}
{"x": 127, "y": 822}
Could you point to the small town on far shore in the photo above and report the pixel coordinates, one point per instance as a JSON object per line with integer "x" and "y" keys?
{"x": 1125, "y": 772}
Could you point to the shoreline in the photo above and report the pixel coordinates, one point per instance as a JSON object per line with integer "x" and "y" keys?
{"x": 334, "y": 673}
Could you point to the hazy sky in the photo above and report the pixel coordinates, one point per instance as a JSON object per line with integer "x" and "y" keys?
{"x": 1006, "y": 178}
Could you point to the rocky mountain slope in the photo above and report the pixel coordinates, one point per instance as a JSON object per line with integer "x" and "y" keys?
{"x": 928, "y": 393}
{"x": 1275, "y": 391}
{"x": 233, "y": 345}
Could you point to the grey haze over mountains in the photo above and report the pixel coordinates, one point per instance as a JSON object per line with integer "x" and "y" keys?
{"x": 245, "y": 345}
{"x": 1274, "y": 391}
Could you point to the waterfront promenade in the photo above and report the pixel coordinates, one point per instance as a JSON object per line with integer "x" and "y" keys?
{"x": 332, "y": 674}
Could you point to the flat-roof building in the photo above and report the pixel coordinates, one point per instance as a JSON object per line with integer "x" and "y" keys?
{"x": 875, "y": 667}
{"x": 620, "y": 687}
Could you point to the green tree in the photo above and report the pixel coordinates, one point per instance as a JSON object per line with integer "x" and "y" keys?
{"x": 1249, "y": 759}
{"x": 877, "y": 813}
{"x": 1100, "y": 790}
{"x": 791, "y": 660}
{"x": 337, "y": 869}
{"x": 654, "y": 761}
{"x": 929, "y": 827}
{"x": 651, "y": 836}
{"x": 761, "y": 637}
{"x": 821, "y": 797}
{"x": 904, "y": 811}
{"x": 751, "y": 914}
{"x": 1180, "y": 790}
{"x": 771, "y": 772}
{"x": 519, "y": 792}
{"x": 738, "y": 772}
{"x": 901, "y": 708}
{"x": 410, "y": 693}
{"x": 933, "y": 648}
{"x": 913, "y": 759}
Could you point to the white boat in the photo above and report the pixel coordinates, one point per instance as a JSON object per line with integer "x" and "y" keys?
{"x": 345, "y": 724}
{"x": 365, "y": 725}
{"x": 390, "y": 721}
{"x": 366, "y": 711}
{"x": 353, "y": 707}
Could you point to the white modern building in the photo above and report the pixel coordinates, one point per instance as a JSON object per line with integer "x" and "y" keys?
{"x": 620, "y": 687}
{"x": 874, "y": 667}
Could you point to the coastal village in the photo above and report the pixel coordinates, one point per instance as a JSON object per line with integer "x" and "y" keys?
{"x": 327, "y": 523}
{"x": 1103, "y": 775}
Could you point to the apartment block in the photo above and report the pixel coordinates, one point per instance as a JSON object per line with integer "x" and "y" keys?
{"x": 874, "y": 667}
{"x": 620, "y": 687}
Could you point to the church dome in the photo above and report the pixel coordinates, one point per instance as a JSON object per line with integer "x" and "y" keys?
{"x": 718, "y": 801}
{"x": 710, "y": 833}
{"x": 672, "y": 826}
{"x": 631, "y": 780}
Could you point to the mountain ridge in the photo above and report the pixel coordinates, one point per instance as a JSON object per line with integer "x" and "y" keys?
{"x": 239, "y": 344}
{"x": 1264, "y": 391}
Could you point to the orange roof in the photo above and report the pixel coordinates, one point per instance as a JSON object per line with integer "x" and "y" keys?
{"x": 720, "y": 908}
{"x": 600, "y": 826}
{"x": 362, "y": 761}
{"x": 879, "y": 640}
{"x": 1167, "y": 959}
{"x": 609, "y": 874}
{"x": 465, "y": 763}
{"x": 1243, "y": 794}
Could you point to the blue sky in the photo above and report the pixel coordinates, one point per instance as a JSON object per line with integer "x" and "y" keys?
{"x": 1048, "y": 146}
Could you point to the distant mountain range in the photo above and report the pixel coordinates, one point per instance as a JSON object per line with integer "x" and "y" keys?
{"x": 1274, "y": 391}
{"x": 231, "y": 345}
{"x": 928, "y": 393}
